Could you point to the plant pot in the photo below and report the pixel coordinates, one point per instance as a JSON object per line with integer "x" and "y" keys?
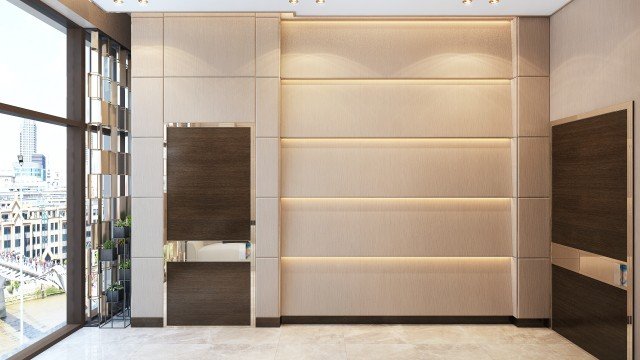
{"x": 108, "y": 255}
{"x": 114, "y": 296}
{"x": 124, "y": 274}
{"x": 121, "y": 232}
{"x": 124, "y": 249}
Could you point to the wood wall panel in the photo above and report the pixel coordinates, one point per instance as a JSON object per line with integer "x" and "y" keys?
{"x": 267, "y": 287}
{"x": 590, "y": 185}
{"x": 208, "y": 182}
{"x": 533, "y": 106}
{"x": 198, "y": 99}
{"x": 590, "y": 313}
{"x": 209, "y": 46}
{"x": 393, "y": 49}
{"x": 396, "y": 168}
{"x": 532, "y": 47}
{"x": 534, "y": 168}
{"x": 391, "y": 109}
{"x": 534, "y": 288}
{"x": 534, "y": 227}
{"x": 396, "y": 227}
{"x": 208, "y": 293}
{"x": 396, "y": 286}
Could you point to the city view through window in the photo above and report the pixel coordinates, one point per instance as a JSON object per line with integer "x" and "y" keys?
{"x": 33, "y": 195}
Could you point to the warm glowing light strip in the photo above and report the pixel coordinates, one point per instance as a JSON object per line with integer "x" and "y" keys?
{"x": 396, "y": 198}
{"x": 400, "y": 142}
{"x": 400, "y": 20}
{"x": 396, "y": 258}
{"x": 381, "y": 81}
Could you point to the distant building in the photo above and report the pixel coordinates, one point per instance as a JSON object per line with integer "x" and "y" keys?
{"x": 41, "y": 230}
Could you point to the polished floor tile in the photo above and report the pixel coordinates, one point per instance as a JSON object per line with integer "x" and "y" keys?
{"x": 310, "y": 342}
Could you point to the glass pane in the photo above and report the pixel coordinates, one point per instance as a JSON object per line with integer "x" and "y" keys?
{"x": 33, "y": 67}
{"x": 33, "y": 201}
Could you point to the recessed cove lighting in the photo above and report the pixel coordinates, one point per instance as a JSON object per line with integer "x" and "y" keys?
{"x": 143, "y": 2}
{"x": 493, "y": 2}
{"x": 467, "y": 2}
{"x": 293, "y": 2}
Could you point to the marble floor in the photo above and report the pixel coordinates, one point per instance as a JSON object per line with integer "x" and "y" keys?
{"x": 326, "y": 342}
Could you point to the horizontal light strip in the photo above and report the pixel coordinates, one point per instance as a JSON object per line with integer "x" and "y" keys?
{"x": 400, "y": 198}
{"x": 396, "y": 142}
{"x": 395, "y": 81}
{"x": 396, "y": 258}
{"x": 347, "y": 139}
{"x": 401, "y": 20}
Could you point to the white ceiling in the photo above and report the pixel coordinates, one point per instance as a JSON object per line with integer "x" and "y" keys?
{"x": 345, "y": 7}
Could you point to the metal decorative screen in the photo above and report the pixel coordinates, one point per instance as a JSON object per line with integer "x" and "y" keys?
{"x": 108, "y": 161}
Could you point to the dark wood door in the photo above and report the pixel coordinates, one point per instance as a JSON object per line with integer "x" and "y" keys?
{"x": 208, "y": 183}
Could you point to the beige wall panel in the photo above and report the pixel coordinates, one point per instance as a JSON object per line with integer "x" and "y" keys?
{"x": 533, "y": 106}
{"x": 268, "y": 47}
{"x": 209, "y": 100}
{"x": 209, "y": 46}
{"x": 148, "y": 229}
{"x": 534, "y": 167}
{"x": 534, "y": 228}
{"x": 267, "y": 167}
{"x": 267, "y": 107}
{"x": 146, "y": 108}
{"x": 534, "y": 289}
{"x": 533, "y": 46}
{"x": 396, "y": 49}
{"x": 268, "y": 227}
{"x": 267, "y": 287}
{"x": 403, "y": 109}
{"x": 396, "y": 286}
{"x": 396, "y": 227}
{"x": 396, "y": 168}
{"x": 147, "y": 287}
{"x": 147, "y": 167}
{"x": 146, "y": 47}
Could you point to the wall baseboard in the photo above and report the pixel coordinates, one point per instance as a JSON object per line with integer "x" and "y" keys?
{"x": 395, "y": 320}
{"x": 268, "y": 322}
{"x": 530, "y": 323}
{"x": 147, "y": 322}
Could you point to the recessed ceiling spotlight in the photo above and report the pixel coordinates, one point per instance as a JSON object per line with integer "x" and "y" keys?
{"x": 118, "y": 2}
{"x": 293, "y": 2}
{"x": 143, "y": 2}
{"x": 467, "y": 2}
{"x": 319, "y": 2}
{"x": 493, "y": 2}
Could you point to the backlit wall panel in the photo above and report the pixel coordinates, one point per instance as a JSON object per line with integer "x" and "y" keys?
{"x": 396, "y": 168}
{"x": 396, "y": 109}
{"x": 396, "y": 227}
{"x": 396, "y": 286}
{"x": 396, "y": 49}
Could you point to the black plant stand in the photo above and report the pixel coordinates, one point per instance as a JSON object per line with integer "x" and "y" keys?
{"x": 119, "y": 312}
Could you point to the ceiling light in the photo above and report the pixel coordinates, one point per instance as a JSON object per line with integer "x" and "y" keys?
{"x": 118, "y": 2}
{"x": 493, "y": 2}
{"x": 467, "y": 2}
{"x": 143, "y": 2}
{"x": 293, "y": 2}
{"x": 319, "y": 2}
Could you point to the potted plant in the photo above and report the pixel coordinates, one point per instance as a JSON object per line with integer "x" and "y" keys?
{"x": 108, "y": 252}
{"x": 124, "y": 271}
{"x": 123, "y": 247}
{"x": 122, "y": 228}
{"x": 115, "y": 293}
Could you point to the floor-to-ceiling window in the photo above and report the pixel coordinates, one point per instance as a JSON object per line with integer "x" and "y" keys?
{"x": 33, "y": 177}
